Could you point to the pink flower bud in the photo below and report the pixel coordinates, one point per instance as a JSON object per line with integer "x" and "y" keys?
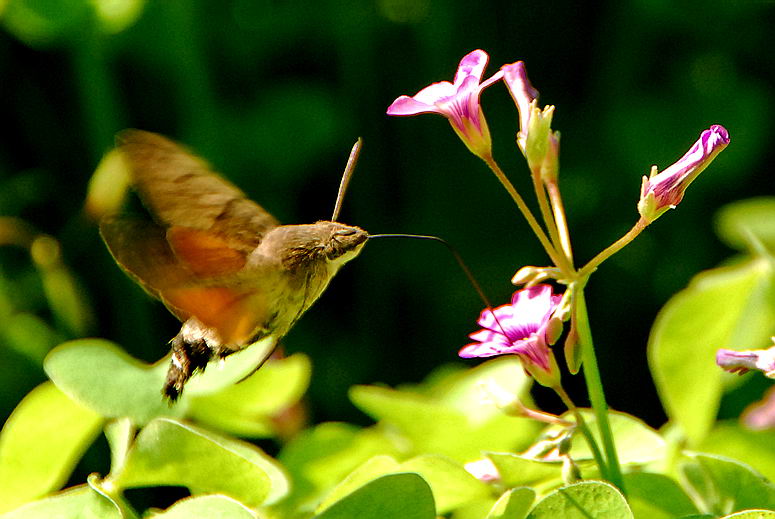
{"x": 663, "y": 191}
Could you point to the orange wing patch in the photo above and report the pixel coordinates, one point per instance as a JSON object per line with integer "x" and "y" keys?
{"x": 206, "y": 254}
{"x": 235, "y": 315}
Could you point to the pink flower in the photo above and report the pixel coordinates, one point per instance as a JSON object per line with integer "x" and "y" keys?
{"x": 741, "y": 362}
{"x": 523, "y": 93}
{"x": 523, "y": 328}
{"x": 761, "y": 415}
{"x": 458, "y": 102}
{"x": 665, "y": 190}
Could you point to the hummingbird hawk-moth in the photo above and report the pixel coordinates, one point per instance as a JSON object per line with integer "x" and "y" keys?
{"x": 217, "y": 260}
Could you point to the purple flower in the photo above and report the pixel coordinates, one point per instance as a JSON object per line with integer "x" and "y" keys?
{"x": 665, "y": 190}
{"x": 741, "y": 362}
{"x": 523, "y": 93}
{"x": 523, "y": 328}
{"x": 457, "y": 101}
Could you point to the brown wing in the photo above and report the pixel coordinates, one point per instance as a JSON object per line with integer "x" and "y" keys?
{"x": 180, "y": 190}
{"x": 142, "y": 249}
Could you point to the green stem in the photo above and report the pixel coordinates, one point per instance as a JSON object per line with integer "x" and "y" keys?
{"x": 612, "y": 249}
{"x": 556, "y": 258}
{"x": 595, "y": 388}
{"x": 559, "y": 218}
{"x": 546, "y": 211}
{"x": 582, "y": 425}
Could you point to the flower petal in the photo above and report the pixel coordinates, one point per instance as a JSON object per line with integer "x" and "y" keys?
{"x": 472, "y": 64}
{"x": 406, "y": 105}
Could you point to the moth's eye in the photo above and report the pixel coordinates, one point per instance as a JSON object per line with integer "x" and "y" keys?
{"x": 345, "y": 232}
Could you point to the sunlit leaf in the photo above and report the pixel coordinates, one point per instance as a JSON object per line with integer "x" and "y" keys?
{"x": 585, "y": 500}
{"x": 513, "y": 504}
{"x": 517, "y": 471}
{"x": 755, "y": 448}
{"x": 167, "y": 452}
{"x": 722, "y": 308}
{"x": 752, "y": 514}
{"x": 395, "y": 496}
{"x": 724, "y": 485}
{"x": 319, "y": 458}
{"x": 78, "y": 503}
{"x": 105, "y": 378}
{"x": 247, "y": 408}
{"x": 436, "y": 426}
{"x": 41, "y": 443}
{"x": 206, "y": 507}
{"x": 655, "y": 496}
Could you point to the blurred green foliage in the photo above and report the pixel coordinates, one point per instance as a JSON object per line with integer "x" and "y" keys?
{"x": 274, "y": 93}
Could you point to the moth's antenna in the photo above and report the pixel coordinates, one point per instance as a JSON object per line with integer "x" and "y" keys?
{"x": 348, "y": 173}
{"x": 454, "y": 252}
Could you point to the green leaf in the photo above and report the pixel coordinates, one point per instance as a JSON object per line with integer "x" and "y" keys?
{"x": 727, "y": 307}
{"x": 655, "y": 496}
{"x": 752, "y": 514}
{"x": 41, "y": 443}
{"x": 725, "y": 485}
{"x": 585, "y": 500}
{"x": 756, "y": 216}
{"x": 319, "y": 458}
{"x": 451, "y": 484}
{"x": 229, "y": 371}
{"x": 513, "y": 504}
{"x": 78, "y": 503}
{"x": 105, "y": 378}
{"x": 206, "y": 507}
{"x": 248, "y": 408}
{"x": 455, "y": 419}
{"x": 167, "y": 452}
{"x": 372, "y": 469}
{"x": 755, "y": 448}
{"x": 395, "y": 496}
{"x": 517, "y": 471}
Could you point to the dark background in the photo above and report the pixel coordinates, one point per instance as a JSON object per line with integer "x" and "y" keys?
{"x": 274, "y": 94}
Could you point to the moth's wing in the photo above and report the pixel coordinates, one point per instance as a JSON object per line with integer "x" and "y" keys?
{"x": 181, "y": 190}
{"x": 142, "y": 249}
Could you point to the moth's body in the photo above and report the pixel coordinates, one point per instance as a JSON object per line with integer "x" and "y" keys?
{"x": 217, "y": 260}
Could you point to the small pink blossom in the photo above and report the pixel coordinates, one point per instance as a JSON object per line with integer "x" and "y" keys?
{"x": 761, "y": 415}
{"x": 523, "y": 93}
{"x": 741, "y": 362}
{"x": 665, "y": 190}
{"x": 457, "y": 101}
{"x": 521, "y": 328}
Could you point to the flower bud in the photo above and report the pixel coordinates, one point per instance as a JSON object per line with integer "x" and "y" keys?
{"x": 663, "y": 191}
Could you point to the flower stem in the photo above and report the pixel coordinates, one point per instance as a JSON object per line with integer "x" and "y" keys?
{"x": 582, "y": 425}
{"x": 595, "y": 389}
{"x": 546, "y": 211}
{"x": 612, "y": 249}
{"x": 541, "y": 416}
{"x": 556, "y": 258}
{"x": 559, "y": 218}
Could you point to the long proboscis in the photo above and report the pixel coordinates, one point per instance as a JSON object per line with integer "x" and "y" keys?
{"x": 456, "y": 255}
{"x": 348, "y": 173}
